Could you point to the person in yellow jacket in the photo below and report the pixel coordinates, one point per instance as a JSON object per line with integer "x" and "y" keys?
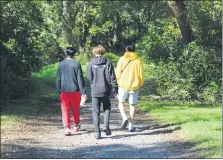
{"x": 130, "y": 77}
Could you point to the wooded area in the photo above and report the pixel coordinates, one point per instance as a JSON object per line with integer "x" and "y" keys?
{"x": 179, "y": 41}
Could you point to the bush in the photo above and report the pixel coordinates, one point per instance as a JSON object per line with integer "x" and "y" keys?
{"x": 162, "y": 42}
{"x": 168, "y": 81}
{"x": 13, "y": 86}
{"x": 204, "y": 65}
{"x": 196, "y": 75}
{"x": 212, "y": 93}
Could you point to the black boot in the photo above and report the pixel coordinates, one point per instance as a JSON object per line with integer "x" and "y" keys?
{"x": 107, "y": 132}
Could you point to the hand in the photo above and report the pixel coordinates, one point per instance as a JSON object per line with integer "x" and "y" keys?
{"x": 83, "y": 99}
{"x": 116, "y": 95}
{"x": 84, "y": 96}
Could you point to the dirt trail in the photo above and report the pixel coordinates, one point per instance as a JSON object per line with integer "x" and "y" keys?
{"x": 41, "y": 136}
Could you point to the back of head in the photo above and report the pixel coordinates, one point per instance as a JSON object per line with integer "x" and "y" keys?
{"x": 98, "y": 50}
{"x": 69, "y": 51}
{"x": 130, "y": 48}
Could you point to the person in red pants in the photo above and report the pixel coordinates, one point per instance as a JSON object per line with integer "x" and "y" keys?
{"x": 70, "y": 85}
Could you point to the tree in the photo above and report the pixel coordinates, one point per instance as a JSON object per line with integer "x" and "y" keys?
{"x": 179, "y": 11}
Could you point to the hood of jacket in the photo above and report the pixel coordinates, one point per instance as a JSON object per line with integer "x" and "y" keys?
{"x": 130, "y": 55}
{"x": 99, "y": 60}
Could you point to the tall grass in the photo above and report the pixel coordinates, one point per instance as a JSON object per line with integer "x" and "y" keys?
{"x": 200, "y": 124}
{"x": 47, "y": 74}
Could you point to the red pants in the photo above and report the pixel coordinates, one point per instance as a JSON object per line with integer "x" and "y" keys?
{"x": 70, "y": 99}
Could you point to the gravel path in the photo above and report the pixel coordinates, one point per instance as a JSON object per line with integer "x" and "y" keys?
{"x": 41, "y": 136}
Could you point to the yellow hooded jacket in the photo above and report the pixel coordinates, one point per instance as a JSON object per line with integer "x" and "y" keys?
{"x": 132, "y": 77}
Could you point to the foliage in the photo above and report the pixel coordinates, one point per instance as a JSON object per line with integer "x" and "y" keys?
{"x": 205, "y": 18}
{"x": 182, "y": 71}
{"x": 162, "y": 41}
{"x": 19, "y": 46}
{"x": 36, "y": 37}
{"x": 203, "y": 65}
{"x": 168, "y": 81}
{"x": 47, "y": 74}
{"x": 112, "y": 57}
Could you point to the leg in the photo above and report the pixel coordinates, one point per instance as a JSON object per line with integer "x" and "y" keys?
{"x": 65, "y": 109}
{"x": 122, "y": 110}
{"x": 122, "y": 97}
{"x": 96, "y": 103}
{"x": 106, "y": 108}
{"x": 132, "y": 104}
{"x": 75, "y": 99}
{"x": 132, "y": 112}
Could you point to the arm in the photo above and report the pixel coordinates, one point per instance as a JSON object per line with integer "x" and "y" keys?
{"x": 89, "y": 75}
{"x": 118, "y": 70}
{"x": 113, "y": 77}
{"x": 141, "y": 73}
{"x": 58, "y": 79}
{"x": 80, "y": 79}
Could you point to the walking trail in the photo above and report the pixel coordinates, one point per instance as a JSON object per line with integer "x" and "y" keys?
{"x": 41, "y": 136}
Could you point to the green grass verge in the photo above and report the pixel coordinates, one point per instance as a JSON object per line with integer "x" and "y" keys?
{"x": 44, "y": 89}
{"x": 200, "y": 124}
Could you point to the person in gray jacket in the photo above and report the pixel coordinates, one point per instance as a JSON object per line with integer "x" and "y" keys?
{"x": 101, "y": 74}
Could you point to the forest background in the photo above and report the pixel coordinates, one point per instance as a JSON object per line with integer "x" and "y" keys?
{"x": 179, "y": 41}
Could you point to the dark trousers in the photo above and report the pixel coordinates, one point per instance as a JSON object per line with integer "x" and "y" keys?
{"x": 96, "y": 105}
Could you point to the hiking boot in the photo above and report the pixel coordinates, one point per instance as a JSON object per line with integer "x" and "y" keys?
{"x": 98, "y": 134}
{"x": 124, "y": 124}
{"x": 107, "y": 132}
{"x": 76, "y": 128}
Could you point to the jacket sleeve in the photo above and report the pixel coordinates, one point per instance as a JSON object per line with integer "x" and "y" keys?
{"x": 58, "y": 79}
{"x": 80, "y": 79}
{"x": 118, "y": 70}
{"x": 112, "y": 77}
{"x": 141, "y": 73}
{"x": 89, "y": 72}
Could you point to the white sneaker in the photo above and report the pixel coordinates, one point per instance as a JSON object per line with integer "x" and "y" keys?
{"x": 131, "y": 128}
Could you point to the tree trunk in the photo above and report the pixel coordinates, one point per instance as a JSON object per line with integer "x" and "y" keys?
{"x": 179, "y": 11}
{"x": 116, "y": 33}
{"x": 67, "y": 28}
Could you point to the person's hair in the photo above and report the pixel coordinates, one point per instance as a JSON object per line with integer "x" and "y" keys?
{"x": 98, "y": 50}
{"x": 130, "y": 48}
{"x": 69, "y": 51}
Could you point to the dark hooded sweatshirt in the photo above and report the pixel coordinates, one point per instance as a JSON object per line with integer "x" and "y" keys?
{"x": 101, "y": 74}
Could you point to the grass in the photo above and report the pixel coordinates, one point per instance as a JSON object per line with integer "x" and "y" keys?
{"x": 47, "y": 75}
{"x": 43, "y": 84}
{"x": 200, "y": 124}
{"x": 113, "y": 58}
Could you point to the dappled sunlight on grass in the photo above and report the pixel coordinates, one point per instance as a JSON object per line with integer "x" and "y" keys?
{"x": 199, "y": 123}
{"x": 9, "y": 120}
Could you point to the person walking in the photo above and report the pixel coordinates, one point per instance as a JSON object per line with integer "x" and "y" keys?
{"x": 101, "y": 74}
{"x": 130, "y": 77}
{"x": 70, "y": 85}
